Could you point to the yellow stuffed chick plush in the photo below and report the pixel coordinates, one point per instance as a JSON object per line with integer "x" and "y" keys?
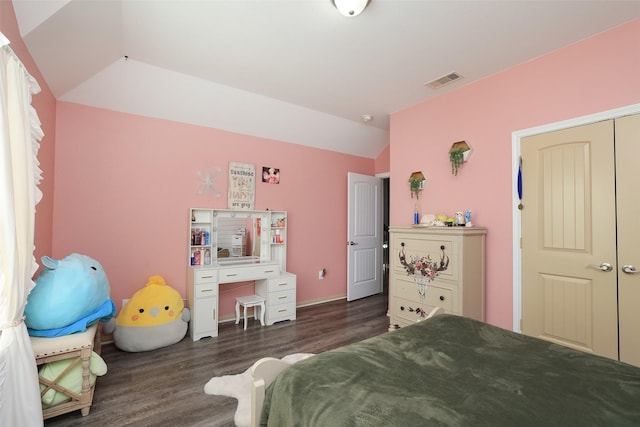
{"x": 154, "y": 317}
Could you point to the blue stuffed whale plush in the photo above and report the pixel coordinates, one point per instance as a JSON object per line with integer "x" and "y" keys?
{"x": 70, "y": 294}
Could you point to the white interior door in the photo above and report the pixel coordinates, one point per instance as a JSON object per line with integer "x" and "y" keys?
{"x": 364, "y": 236}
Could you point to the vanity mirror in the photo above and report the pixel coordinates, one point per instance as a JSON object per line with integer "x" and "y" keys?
{"x": 225, "y": 236}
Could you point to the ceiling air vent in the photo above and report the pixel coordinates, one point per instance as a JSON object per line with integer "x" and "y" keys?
{"x": 444, "y": 80}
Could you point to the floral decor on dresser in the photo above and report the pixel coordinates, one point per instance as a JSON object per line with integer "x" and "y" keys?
{"x": 423, "y": 270}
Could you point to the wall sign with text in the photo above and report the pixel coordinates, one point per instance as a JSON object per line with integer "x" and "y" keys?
{"x": 242, "y": 185}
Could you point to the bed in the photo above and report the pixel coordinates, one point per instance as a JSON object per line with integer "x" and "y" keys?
{"x": 447, "y": 370}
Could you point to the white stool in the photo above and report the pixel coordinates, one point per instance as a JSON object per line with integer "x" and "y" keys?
{"x": 254, "y": 301}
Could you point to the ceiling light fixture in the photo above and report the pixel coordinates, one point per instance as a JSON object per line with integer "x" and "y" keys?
{"x": 350, "y": 8}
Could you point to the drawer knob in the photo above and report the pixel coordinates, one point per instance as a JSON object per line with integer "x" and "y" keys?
{"x": 402, "y": 308}
{"x": 441, "y": 297}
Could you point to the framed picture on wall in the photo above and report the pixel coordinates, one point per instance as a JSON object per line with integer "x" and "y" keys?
{"x": 270, "y": 175}
{"x": 242, "y": 185}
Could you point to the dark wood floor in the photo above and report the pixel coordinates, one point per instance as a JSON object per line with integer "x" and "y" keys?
{"x": 165, "y": 387}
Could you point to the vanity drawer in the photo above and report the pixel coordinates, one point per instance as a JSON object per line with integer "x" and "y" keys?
{"x": 284, "y": 282}
{"x": 246, "y": 273}
{"x": 205, "y": 276}
{"x": 282, "y": 297}
{"x": 205, "y": 290}
{"x": 279, "y": 312}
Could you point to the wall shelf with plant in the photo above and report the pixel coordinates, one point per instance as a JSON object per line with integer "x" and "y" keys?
{"x": 416, "y": 183}
{"x": 458, "y": 154}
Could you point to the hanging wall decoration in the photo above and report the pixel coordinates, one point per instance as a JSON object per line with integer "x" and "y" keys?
{"x": 416, "y": 183}
{"x": 270, "y": 175}
{"x": 242, "y": 185}
{"x": 458, "y": 154}
{"x": 207, "y": 182}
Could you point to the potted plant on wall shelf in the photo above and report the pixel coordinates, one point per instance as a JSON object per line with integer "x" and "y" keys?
{"x": 416, "y": 183}
{"x": 458, "y": 154}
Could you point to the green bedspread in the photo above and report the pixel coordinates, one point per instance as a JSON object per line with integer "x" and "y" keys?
{"x": 454, "y": 371}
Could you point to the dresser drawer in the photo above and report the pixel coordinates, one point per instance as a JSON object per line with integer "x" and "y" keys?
{"x": 409, "y": 311}
{"x": 437, "y": 294}
{"x": 246, "y": 273}
{"x": 205, "y": 276}
{"x": 438, "y": 248}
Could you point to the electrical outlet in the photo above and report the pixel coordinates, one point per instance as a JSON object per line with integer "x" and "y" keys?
{"x": 320, "y": 274}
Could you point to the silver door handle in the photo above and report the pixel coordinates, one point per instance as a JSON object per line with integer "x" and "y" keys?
{"x": 605, "y": 266}
{"x": 351, "y": 243}
{"x": 629, "y": 269}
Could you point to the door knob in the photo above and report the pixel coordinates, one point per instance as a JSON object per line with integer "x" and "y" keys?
{"x": 351, "y": 243}
{"x": 605, "y": 266}
{"x": 629, "y": 269}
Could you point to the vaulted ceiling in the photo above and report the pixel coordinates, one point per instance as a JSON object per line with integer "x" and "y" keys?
{"x": 291, "y": 70}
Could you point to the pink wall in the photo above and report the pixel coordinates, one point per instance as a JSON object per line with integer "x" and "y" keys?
{"x": 597, "y": 74}
{"x": 45, "y": 105}
{"x": 125, "y": 183}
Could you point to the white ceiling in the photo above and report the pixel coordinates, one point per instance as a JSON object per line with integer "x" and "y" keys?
{"x": 291, "y": 70}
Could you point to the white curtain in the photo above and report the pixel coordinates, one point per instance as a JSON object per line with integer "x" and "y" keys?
{"x": 20, "y": 174}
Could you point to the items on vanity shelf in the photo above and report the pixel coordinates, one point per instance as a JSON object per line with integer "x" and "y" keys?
{"x": 457, "y": 253}
{"x": 263, "y": 235}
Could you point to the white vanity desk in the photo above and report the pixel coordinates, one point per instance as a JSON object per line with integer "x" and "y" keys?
{"x": 266, "y": 266}
{"x": 202, "y": 289}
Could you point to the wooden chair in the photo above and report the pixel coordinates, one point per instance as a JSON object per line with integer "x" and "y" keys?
{"x": 78, "y": 347}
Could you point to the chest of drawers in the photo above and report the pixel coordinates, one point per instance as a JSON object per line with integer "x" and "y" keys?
{"x": 459, "y": 289}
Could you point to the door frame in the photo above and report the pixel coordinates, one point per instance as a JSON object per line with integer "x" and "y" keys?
{"x": 516, "y": 138}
